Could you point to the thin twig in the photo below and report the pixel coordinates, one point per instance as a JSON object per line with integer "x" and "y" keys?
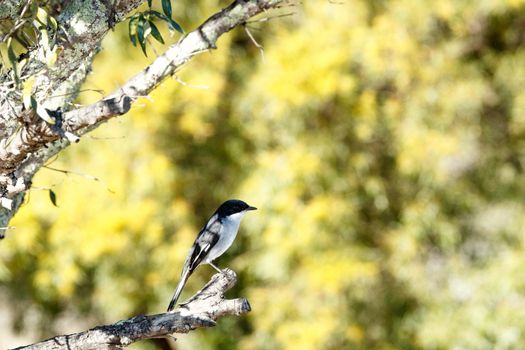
{"x": 257, "y": 45}
{"x": 266, "y": 19}
{"x": 182, "y": 82}
{"x": 87, "y": 176}
{"x": 67, "y": 172}
{"x": 106, "y": 138}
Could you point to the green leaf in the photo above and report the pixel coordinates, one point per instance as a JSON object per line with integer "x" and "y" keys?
{"x": 52, "y": 58}
{"x": 19, "y": 66}
{"x": 44, "y": 35}
{"x": 166, "y": 7}
{"x": 155, "y": 32}
{"x": 140, "y": 34}
{"x": 53, "y": 23}
{"x": 13, "y": 60}
{"x": 26, "y": 92}
{"x": 158, "y": 15}
{"x": 11, "y": 53}
{"x": 175, "y": 26}
{"x": 149, "y": 3}
{"x": 171, "y": 23}
{"x": 42, "y": 16}
{"x": 34, "y": 104}
{"x": 34, "y": 9}
{"x": 147, "y": 29}
{"x": 132, "y": 29}
{"x": 53, "y": 197}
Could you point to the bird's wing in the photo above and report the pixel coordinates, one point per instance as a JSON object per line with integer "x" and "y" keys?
{"x": 206, "y": 239}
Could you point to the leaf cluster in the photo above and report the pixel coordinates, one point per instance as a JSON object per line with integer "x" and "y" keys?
{"x": 142, "y": 24}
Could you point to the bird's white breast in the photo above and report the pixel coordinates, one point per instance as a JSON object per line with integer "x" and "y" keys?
{"x": 230, "y": 226}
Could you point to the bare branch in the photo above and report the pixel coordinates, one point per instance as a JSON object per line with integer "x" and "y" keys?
{"x": 36, "y": 135}
{"x": 201, "y": 310}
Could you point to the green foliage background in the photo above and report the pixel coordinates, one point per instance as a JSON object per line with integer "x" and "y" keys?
{"x": 383, "y": 143}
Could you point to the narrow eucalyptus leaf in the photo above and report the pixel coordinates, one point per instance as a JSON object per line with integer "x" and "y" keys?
{"x": 34, "y": 104}
{"x": 34, "y": 9}
{"x": 140, "y": 34}
{"x": 166, "y": 7}
{"x": 11, "y": 53}
{"x": 155, "y": 32}
{"x": 53, "y": 197}
{"x": 13, "y": 60}
{"x": 53, "y": 22}
{"x": 42, "y": 16}
{"x": 174, "y": 25}
{"x": 26, "y": 92}
{"x": 132, "y": 30}
{"x": 158, "y": 14}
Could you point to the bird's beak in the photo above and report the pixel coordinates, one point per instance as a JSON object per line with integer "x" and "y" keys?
{"x": 251, "y": 208}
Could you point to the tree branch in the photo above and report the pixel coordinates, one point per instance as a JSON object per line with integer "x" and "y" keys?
{"x": 201, "y": 310}
{"x": 36, "y": 142}
{"x": 10, "y": 8}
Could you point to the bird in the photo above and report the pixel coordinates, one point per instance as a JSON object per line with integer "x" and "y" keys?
{"x": 212, "y": 241}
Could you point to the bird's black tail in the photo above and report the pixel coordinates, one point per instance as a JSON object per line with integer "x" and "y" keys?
{"x": 180, "y": 286}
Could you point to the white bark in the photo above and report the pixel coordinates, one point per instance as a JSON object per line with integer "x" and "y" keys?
{"x": 201, "y": 310}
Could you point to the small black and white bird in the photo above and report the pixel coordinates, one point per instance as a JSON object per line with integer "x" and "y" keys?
{"x": 213, "y": 240}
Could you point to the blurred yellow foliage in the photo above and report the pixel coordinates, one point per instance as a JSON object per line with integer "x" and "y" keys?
{"x": 382, "y": 142}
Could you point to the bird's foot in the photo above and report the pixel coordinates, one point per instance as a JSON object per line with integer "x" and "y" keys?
{"x": 215, "y": 267}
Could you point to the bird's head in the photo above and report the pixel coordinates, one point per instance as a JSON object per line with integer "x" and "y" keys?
{"x": 233, "y": 206}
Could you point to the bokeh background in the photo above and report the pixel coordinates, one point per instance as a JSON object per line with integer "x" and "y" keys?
{"x": 383, "y": 143}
